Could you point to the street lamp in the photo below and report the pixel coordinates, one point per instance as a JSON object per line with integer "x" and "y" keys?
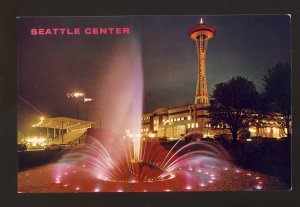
{"x": 86, "y": 100}
{"x": 76, "y": 95}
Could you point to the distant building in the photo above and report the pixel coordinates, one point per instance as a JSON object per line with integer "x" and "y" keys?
{"x": 176, "y": 122}
{"x": 173, "y": 123}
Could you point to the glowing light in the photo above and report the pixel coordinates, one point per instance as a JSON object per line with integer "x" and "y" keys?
{"x": 120, "y": 190}
{"x": 36, "y": 140}
{"x": 211, "y": 181}
{"x": 167, "y": 190}
{"x": 202, "y": 185}
{"x": 248, "y": 140}
{"x": 87, "y": 99}
{"x": 151, "y": 135}
{"x": 258, "y": 187}
{"x": 97, "y": 190}
{"x": 201, "y": 21}
{"x": 66, "y": 185}
{"x": 225, "y": 168}
{"x": 77, "y": 188}
{"x": 257, "y": 178}
{"x": 252, "y": 130}
{"x": 249, "y": 174}
{"x": 188, "y": 187}
{"x": 78, "y": 94}
{"x": 40, "y": 122}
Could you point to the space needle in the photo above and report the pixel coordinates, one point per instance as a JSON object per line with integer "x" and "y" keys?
{"x": 201, "y": 34}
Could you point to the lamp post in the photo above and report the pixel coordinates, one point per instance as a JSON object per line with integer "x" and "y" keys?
{"x": 86, "y": 100}
{"x": 76, "y": 95}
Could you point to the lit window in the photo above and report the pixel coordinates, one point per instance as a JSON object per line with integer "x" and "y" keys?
{"x": 188, "y": 126}
{"x": 178, "y": 119}
{"x": 193, "y": 125}
{"x": 189, "y": 117}
{"x": 182, "y": 118}
{"x": 252, "y": 130}
{"x": 196, "y": 125}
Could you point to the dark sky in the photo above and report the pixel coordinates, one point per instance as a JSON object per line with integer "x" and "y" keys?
{"x": 51, "y": 66}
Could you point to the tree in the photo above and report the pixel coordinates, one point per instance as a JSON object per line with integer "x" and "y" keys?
{"x": 234, "y": 103}
{"x": 277, "y": 95}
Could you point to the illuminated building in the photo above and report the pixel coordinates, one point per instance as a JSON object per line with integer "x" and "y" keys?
{"x": 175, "y": 122}
{"x": 64, "y": 130}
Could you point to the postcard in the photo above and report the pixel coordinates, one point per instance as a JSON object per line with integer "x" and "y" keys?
{"x": 154, "y": 103}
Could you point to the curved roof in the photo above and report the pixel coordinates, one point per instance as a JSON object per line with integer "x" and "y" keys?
{"x": 63, "y": 123}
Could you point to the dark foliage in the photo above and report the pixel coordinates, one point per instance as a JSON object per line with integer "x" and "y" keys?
{"x": 277, "y": 95}
{"x": 234, "y": 103}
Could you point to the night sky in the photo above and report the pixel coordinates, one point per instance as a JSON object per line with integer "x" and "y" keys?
{"x": 51, "y": 66}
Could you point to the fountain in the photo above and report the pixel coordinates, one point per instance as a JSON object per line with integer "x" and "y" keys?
{"x": 155, "y": 162}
